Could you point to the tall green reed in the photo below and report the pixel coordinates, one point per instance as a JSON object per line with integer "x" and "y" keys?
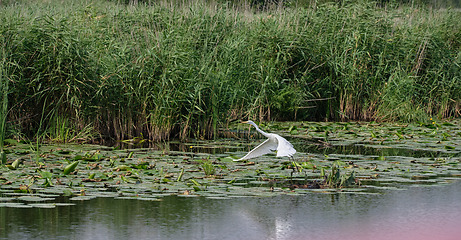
{"x": 4, "y": 106}
{"x": 177, "y": 70}
{"x": 5, "y": 76}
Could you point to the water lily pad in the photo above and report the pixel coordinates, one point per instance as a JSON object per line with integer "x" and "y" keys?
{"x": 133, "y": 197}
{"x": 82, "y": 198}
{"x": 103, "y": 194}
{"x": 218, "y": 197}
{"x": 64, "y": 204}
{"x": 150, "y": 199}
{"x": 35, "y": 198}
{"x": 6, "y": 199}
{"x": 258, "y": 183}
{"x": 379, "y": 158}
{"x": 359, "y": 193}
{"x": 43, "y": 205}
{"x": 15, "y": 205}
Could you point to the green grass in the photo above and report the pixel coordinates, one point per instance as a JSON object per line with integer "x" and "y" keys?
{"x": 177, "y": 70}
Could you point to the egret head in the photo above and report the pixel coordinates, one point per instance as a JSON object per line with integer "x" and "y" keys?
{"x": 251, "y": 123}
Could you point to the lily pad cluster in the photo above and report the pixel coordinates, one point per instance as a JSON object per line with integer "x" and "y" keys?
{"x": 353, "y": 158}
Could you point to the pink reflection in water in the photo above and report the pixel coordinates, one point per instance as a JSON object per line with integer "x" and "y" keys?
{"x": 438, "y": 227}
{"x": 425, "y": 213}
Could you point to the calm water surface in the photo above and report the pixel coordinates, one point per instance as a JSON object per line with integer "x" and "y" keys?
{"x": 423, "y": 212}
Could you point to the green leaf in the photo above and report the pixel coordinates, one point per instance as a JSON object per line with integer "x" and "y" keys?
{"x": 70, "y": 168}
{"x": 15, "y": 164}
{"x": 45, "y": 174}
{"x": 122, "y": 168}
{"x": 195, "y": 182}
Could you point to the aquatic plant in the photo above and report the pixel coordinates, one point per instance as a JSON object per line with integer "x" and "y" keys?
{"x": 353, "y": 162}
{"x": 336, "y": 179}
{"x": 47, "y": 176}
{"x": 70, "y": 168}
{"x": 208, "y": 167}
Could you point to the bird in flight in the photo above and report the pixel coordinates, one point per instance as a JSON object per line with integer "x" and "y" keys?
{"x": 273, "y": 143}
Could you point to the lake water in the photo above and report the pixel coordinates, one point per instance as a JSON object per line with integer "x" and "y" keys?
{"x": 410, "y": 188}
{"x": 418, "y": 212}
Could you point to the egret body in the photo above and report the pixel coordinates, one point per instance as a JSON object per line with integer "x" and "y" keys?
{"x": 273, "y": 143}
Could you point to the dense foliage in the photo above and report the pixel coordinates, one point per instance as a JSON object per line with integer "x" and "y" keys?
{"x": 182, "y": 69}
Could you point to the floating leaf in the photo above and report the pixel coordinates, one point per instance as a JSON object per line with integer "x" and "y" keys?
{"x": 46, "y": 174}
{"x": 34, "y": 199}
{"x": 6, "y": 199}
{"x": 420, "y": 157}
{"x": 82, "y": 198}
{"x": 43, "y": 205}
{"x": 122, "y": 168}
{"x": 15, "y": 205}
{"x": 149, "y": 199}
{"x": 64, "y": 204}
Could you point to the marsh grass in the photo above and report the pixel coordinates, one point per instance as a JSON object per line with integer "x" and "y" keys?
{"x": 4, "y": 90}
{"x": 208, "y": 168}
{"x": 181, "y": 69}
{"x": 3, "y": 114}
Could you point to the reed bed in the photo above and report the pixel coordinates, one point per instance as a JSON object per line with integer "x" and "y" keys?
{"x": 176, "y": 70}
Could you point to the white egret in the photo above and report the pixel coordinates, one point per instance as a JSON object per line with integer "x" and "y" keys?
{"x": 274, "y": 142}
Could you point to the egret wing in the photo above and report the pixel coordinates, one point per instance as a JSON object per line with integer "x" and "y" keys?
{"x": 266, "y": 147}
{"x": 285, "y": 148}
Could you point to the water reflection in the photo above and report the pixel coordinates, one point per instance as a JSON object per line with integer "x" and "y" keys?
{"x": 416, "y": 213}
{"x": 224, "y": 146}
{"x": 371, "y": 150}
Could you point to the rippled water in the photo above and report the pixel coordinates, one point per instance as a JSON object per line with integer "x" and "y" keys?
{"x": 419, "y": 212}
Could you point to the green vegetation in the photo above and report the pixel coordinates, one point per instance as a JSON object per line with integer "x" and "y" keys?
{"x": 354, "y": 162}
{"x": 4, "y": 82}
{"x": 337, "y": 180}
{"x": 208, "y": 168}
{"x": 78, "y": 69}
